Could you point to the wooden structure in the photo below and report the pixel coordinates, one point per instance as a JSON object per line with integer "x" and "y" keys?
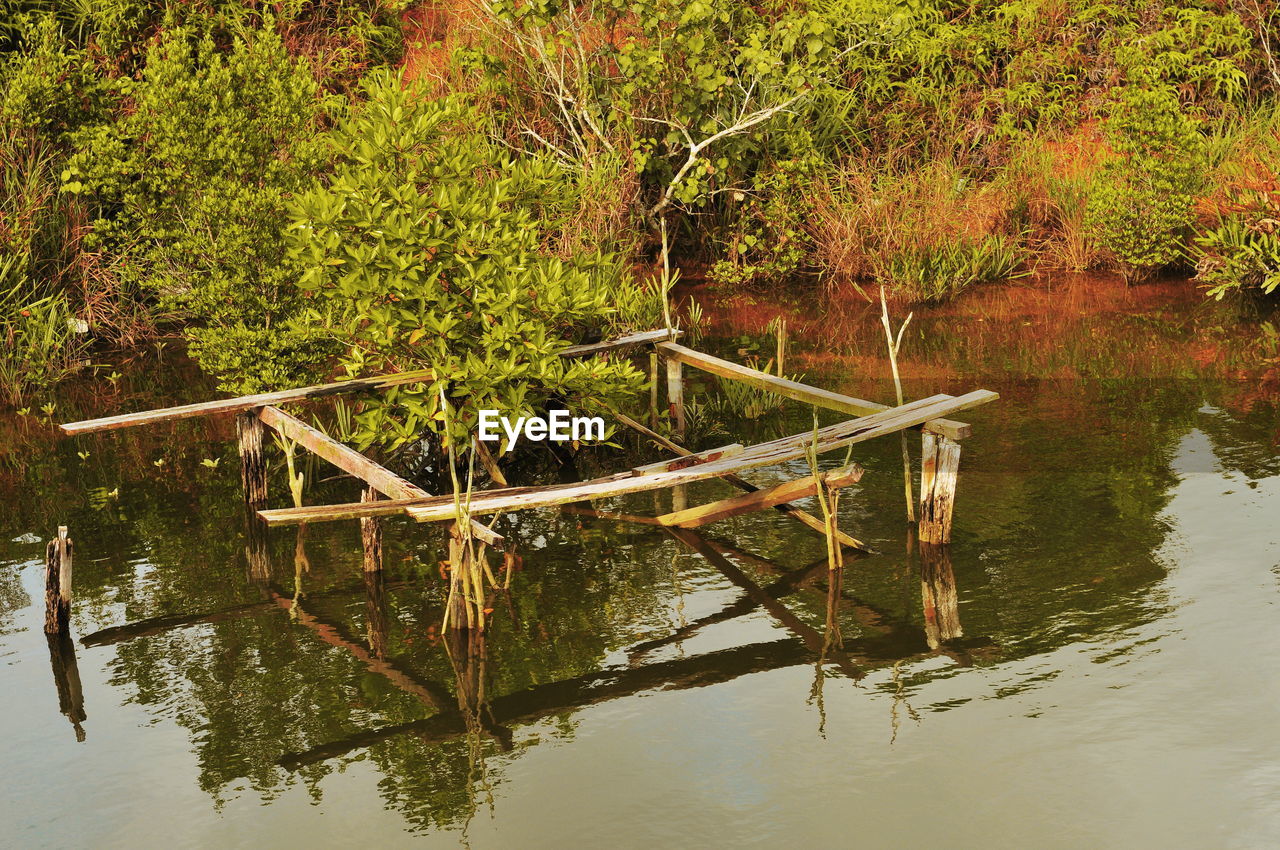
{"x": 388, "y": 494}
{"x": 57, "y": 583}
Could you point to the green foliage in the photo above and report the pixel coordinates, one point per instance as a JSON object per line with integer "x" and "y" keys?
{"x": 768, "y": 239}
{"x": 39, "y": 337}
{"x": 189, "y": 185}
{"x": 1141, "y": 207}
{"x": 941, "y": 269}
{"x": 1239, "y": 249}
{"x": 429, "y": 247}
{"x": 255, "y": 359}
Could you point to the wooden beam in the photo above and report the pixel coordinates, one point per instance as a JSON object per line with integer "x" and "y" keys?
{"x": 802, "y": 517}
{"x": 251, "y": 434}
{"x": 766, "y": 454}
{"x": 234, "y": 405}
{"x": 57, "y": 583}
{"x": 351, "y": 461}
{"x": 689, "y": 459}
{"x": 788, "y": 491}
{"x": 641, "y": 338}
{"x": 833, "y": 437}
{"x": 345, "y": 458}
{"x": 675, "y": 396}
{"x": 794, "y": 389}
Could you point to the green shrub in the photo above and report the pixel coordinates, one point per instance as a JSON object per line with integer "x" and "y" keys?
{"x": 767, "y": 239}
{"x": 1141, "y": 206}
{"x": 1239, "y": 248}
{"x": 190, "y": 183}
{"x": 39, "y": 337}
{"x": 427, "y": 248}
{"x": 939, "y": 270}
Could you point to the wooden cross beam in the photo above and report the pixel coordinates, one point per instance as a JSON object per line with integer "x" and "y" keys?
{"x": 794, "y": 389}
{"x": 772, "y": 453}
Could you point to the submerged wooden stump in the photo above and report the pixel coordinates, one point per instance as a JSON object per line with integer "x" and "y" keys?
{"x": 57, "y": 583}
{"x": 253, "y": 462}
{"x": 939, "y": 468}
{"x": 675, "y": 396}
{"x": 371, "y": 535}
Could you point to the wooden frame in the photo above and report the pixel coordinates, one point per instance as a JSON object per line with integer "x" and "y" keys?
{"x": 941, "y": 451}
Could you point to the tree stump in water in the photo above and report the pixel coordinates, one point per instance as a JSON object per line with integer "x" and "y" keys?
{"x": 939, "y": 468}
{"x": 57, "y": 583}
{"x": 253, "y": 463}
{"x": 371, "y": 535}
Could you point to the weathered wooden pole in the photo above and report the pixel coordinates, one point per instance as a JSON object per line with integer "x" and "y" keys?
{"x": 465, "y": 599}
{"x": 371, "y": 535}
{"x": 675, "y": 395}
{"x": 653, "y": 389}
{"x": 57, "y": 583}
{"x": 253, "y": 463}
{"x": 938, "y": 595}
{"x": 939, "y": 468}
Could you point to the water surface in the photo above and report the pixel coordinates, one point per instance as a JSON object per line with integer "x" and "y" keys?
{"x": 1116, "y": 566}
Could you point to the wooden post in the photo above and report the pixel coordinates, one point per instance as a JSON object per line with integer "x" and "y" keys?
{"x": 939, "y": 466}
{"x": 675, "y": 395}
{"x": 57, "y": 583}
{"x": 253, "y": 463}
{"x": 653, "y": 389}
{"x": 371, "y": 535}
{"x": 465, "y": 597}
{"x": 938, "y": 595}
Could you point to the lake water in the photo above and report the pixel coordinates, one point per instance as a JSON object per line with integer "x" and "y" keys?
{"x": 1116, "y": 567}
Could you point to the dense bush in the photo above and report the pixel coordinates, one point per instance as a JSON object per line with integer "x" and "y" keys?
{"x": 1141, "y": 207}
{"x": 1239, "y": 249}
{"x": 189, "y": 186}
{"x": 431, "y": 245}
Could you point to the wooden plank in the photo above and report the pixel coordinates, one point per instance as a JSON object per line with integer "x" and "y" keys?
{"x": 234, "y": 405}
{"x": 640, "y": 338}
{"x": 689, "y": 459}
{"x": 788, "y": 491}
{"x": 772, "y": 453}
{"x": 802, "y": 517}
{"x": 349, "y": 460}
{"x": 345, "y": 458}
{"x": 833, "y": 437}
{"x": 766, "y": 454}
{"x": 796, "y": 390}
{"x": 439, "y": 508}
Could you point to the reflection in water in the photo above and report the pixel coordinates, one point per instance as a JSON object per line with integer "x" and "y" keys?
{"x": 66, "y": 678}
{"x": 1066, "y": 551}
{"x": 938, "y": 595}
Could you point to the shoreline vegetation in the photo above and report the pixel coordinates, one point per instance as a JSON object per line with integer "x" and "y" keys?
{"x": 310, "y": 190}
